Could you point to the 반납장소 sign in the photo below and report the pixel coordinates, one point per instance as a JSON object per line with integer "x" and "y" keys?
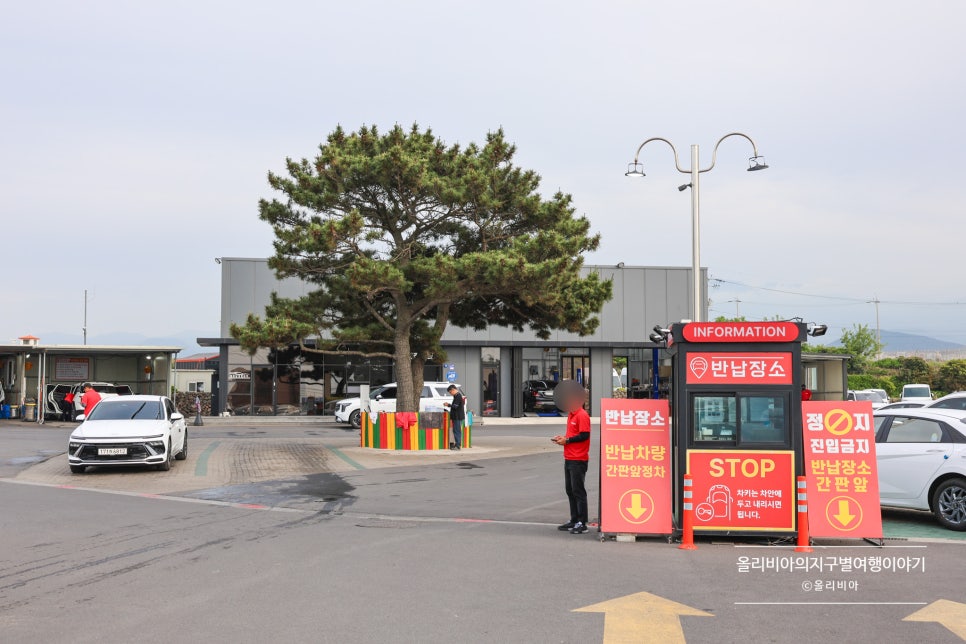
{"x": 840, "y": 468}
{"x": 635, "y": 467}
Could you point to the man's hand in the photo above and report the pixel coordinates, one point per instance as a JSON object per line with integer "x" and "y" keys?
{"x": 559, "y": 440}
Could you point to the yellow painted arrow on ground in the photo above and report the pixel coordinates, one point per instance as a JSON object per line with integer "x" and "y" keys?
{"x": 643, "y": 618}
{"x": 952, "y": 615}
{"x": 844, "y": 516}
{"x": 636, "y": 509}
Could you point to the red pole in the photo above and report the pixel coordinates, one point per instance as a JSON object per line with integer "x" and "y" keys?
{"x": 803, "y": 540}
{"x": 687, "y": 517}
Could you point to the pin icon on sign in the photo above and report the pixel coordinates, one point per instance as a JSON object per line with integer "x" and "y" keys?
{"x": 698, "y": 366}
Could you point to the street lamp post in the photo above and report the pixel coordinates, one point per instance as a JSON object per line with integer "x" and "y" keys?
{"x": 636, "y": 169}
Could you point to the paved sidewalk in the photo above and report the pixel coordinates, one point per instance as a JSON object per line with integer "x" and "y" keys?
{"x": 219, "y": 462}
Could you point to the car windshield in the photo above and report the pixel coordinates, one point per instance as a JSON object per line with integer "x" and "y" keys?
{"x": 916, "y": 392}
{"x": 866, "y": 395}
{"x": 127, "y": 410}
{"x": 104, "y": 389}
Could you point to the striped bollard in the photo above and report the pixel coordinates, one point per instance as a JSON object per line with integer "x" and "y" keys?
{"x": 803, "y": 539}
{"x": 687, "y": 517}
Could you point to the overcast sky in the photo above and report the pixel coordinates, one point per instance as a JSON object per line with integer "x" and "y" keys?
{"x": 137, "y": 137}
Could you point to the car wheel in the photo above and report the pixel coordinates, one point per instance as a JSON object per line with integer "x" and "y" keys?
{"x": 183, "y": 454}
{"x": 164, "y": 467}
{"x": 949, "y": 504}
{"x": 78, "y": 469}
{"x": 355, "y": 419}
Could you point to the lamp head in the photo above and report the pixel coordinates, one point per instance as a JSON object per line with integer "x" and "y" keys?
{"x": 684, "y": 187}
{"x": 656, "y": 338}
{"x": 635, "y": 169}
{"x": 818, "y": 330}
{"x": 757, "y": 163}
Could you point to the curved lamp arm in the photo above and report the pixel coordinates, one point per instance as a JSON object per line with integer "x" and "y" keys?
{"x": 714, "y": 154}
{"x": 677, "y": 163}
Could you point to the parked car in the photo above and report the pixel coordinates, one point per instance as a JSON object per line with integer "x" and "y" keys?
{"x": 916, "y": 393}
{"x": 538, "y": 396}
{"x": 105, "y": 389}
{"x": 383, "y": 399}
{"x": 921, "y": 457}
{"x": 952, "y": 402}
{"x": 901, "y": 405}
{"x": 129, "y": 430}
{"x": 868, "y": 394}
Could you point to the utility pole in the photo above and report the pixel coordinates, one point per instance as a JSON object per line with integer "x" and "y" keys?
{"x": 85, "y": 316}
{"x": 878, "y": 331}
{"x": 737, "y": 307}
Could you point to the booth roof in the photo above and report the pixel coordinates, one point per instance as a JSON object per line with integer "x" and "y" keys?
{"x": 86, "y": 348}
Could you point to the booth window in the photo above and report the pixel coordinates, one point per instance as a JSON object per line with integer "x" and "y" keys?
{"x": 739, "y": 418}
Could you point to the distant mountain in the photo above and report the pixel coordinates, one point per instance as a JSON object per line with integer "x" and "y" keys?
{"x": 896, "y": 342}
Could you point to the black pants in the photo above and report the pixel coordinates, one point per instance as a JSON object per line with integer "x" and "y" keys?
{"x": 574, "y": 473}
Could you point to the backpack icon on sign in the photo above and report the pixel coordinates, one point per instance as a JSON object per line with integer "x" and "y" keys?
{"x": 718, "y": 504}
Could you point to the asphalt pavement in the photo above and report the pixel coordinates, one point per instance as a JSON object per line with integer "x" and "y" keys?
{"x": 285, "y": 533}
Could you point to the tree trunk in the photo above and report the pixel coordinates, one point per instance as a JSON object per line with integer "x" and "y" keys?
{"x": 407, "y": 397}
{"x": 417, "y": 368}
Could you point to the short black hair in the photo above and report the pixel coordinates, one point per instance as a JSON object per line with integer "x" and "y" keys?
{"x": 452, "y": 387}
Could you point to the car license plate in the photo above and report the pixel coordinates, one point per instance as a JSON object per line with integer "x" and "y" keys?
{"x": 112, "y": 451}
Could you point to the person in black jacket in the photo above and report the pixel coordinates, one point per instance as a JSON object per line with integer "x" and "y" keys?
{"x": 457, "y": 414}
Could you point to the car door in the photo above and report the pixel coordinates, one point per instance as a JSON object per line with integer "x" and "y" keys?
{"x": 427, "y": 400}
{"x": 909, "y": 452}
{"x": 177, "y": 426}
{"x": 385, "y": 401}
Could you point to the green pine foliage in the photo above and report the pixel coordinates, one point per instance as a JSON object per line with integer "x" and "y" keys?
{"x": 403, "y": 235}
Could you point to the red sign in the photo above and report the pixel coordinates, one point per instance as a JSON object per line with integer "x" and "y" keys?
{"x": 843, "y": 481}
{"x": 739, "y": 368}
{"x": 635, "y": 467}
{"x": 743, "y": 490}
{"x": 741, "y": 332}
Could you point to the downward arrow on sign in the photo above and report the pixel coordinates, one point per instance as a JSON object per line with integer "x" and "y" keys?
{"x": 844, "y": 516}
{"x": 636, "y": 510}
{"x": 643, "y": 617}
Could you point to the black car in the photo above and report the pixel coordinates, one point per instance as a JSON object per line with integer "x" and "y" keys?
{"x": 538, "y": 396}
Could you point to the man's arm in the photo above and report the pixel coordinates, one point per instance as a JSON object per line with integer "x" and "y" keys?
{"x": 579, "y": 438}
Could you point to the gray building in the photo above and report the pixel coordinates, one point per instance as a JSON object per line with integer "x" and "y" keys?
{"x": 498, "y": 368}
{"x": 493, "y": 366}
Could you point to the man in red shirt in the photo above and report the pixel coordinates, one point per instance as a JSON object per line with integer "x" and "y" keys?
{"x": 806, "y": 393}
{"x": 576, "y": 444}
{"x": 89, "y": 399}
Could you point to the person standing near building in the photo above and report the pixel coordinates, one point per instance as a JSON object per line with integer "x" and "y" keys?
{"x": 457, "y": 414}
{"x": 89, "y": 399}
{"x": 806, "y": 393}
{"x": 576, "y": 444}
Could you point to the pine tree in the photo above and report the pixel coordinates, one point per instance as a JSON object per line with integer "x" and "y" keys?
{"x": 404, "y": 235}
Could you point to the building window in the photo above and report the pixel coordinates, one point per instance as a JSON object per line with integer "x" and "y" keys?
{"x": 490, "y": 360}
{"x": 196, "y": 387}
{"x": 739, "y": 419}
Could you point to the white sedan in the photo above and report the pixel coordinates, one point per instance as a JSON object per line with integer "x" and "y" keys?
{"x": 129, "y": 430}
{"x": 921, "y": 456}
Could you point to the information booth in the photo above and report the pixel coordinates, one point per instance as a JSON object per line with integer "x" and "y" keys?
{"x": 737, "y": 418}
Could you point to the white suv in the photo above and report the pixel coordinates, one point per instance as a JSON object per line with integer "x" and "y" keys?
{"x": 383, "y": 399}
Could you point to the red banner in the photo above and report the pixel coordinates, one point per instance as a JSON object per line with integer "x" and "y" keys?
{"x": 739, "y": 368}
{"x": 635, "y": 467}
{"x": 843, "y": 481}
{"x": 743, "y": 490}
{"x": 741, "y": 332}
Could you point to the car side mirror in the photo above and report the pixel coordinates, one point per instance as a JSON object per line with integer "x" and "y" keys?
{"x": 379, "y": 397}
{"x": 80, "y": 417}
{"x": 177, "y": 416}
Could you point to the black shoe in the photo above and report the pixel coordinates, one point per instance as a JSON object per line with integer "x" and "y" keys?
{"x": 566, "y": 527}
{"x": 579, "y": 528}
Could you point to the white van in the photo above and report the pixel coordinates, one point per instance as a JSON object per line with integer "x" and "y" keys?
{"x": 916, "y": 393}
